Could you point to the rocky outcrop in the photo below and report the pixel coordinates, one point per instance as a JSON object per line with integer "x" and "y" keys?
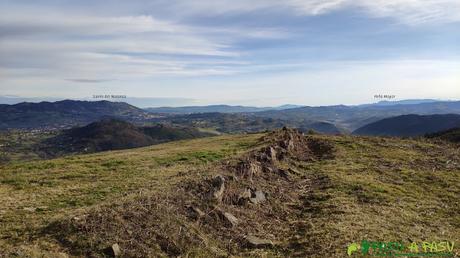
{"x": 248, "y": 184}
{"x": 283, "y": 145}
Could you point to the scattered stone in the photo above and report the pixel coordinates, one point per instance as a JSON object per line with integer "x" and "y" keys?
{"x": 30, "y": 209}
{"x": 255, "y": 242}
{"x": 249, "y": 168}
{"x": 228, "y": 218}
{"x": 244, "y": 197}
{"x": 113, "y": 251}
{"x": 254, "y": 168}
{"x": 273, "y": 154}
{"x": 246, "y": 194}
{"x": 258, "y": 197}
{"x": 195, "y": 212}
{"x": 252, "y": 196}
{"x": 218, "y": 183}
{"x": 80, "y": 218}
{"x": 269, "y": 154}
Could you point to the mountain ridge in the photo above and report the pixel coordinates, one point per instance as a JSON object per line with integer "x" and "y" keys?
{"x": 410, "y": 125}
{"x": 354, "y": 117}
{"x": 68, "y": 113}
{"x": 65, "y": 113}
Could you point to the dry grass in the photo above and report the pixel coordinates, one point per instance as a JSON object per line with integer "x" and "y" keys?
{"x": 374, "y": 188}
{"x": 33, "y": 194}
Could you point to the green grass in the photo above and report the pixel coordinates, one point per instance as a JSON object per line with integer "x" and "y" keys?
{"x": 391, "y": 189}
{"x": 381, "y": 189}
{"x": 19, "y": 146}
{"x": 54, "y": 188}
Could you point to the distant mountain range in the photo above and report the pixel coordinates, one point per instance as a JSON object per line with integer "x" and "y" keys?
{"x": 401, "y": 102}
{"x": 223, "y": 118}
{"x": 135, "y": 101}
{"x": 249, "y": 109}
{"x": 353, "y": 117}
{"x": 215, "y": 108}
{"x": 65, "y": 113}
{"x": 410, "y": 125}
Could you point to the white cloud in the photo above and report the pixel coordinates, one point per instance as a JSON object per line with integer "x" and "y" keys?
{"x": 414, "y": 12}
{"x": 42, "y": 23}
{"x": 68, "y": 47}
{"x": 410, "y": 12}
{"x": 316, "y": 7}
{"x": 90, "y": 48}
{"x": 59, "y": 44}
{"x": 345, "y": 82}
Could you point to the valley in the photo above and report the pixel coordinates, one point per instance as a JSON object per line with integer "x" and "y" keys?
{"x": 229, "y": 128}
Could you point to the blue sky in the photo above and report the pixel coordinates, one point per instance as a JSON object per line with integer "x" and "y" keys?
{"x": 310, "y": 52}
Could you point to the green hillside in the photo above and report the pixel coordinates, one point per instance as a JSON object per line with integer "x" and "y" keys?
{"x": 261, "y": 195}
{"x": 112, "y": 134}
{"x": 451, "y": 135}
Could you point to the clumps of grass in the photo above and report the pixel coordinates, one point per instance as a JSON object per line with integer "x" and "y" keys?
{"x": 74, "y": 183}
{"x": 142, "y": 225}
{"x": 113, "y": 163}
{"x": 18, "y": 183}
{"x": 200, "y": 157}
{"x": 367, "y": 195}
{"x": 376, "y": 189}
{"x": 40, "y": 165}
{"x": 160, "y": 223}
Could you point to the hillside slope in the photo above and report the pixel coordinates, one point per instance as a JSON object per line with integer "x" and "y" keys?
{"x": 113, "y": 134}
{"x": 410, "y": 125}
{"x": 256, "y": 195}
{"x": 205, "y": 109}
{"x": 243, "y": 123}
{"x": 354, "y": 117}
{"x": 451, "y": 135}
{"x": 215, "y": 108}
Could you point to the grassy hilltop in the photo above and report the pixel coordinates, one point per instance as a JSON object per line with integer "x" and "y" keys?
{"x": 317, "y": 195}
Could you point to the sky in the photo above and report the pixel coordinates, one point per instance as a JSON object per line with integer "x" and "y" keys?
{"x": 258, "y": 52}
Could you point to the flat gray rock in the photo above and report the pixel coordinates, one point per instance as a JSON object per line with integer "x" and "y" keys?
{"x": 258, "y": 197}
{"x": 256, "y": 242}
{"x": 230, "y": 220}
{"x": 218, "y": 183}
